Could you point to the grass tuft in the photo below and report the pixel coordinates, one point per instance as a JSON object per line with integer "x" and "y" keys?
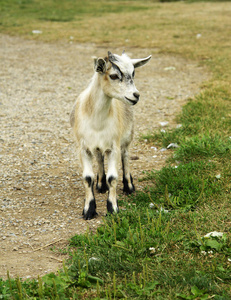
{"x": 183, "y": 186}
{"x": 203, "y": 146}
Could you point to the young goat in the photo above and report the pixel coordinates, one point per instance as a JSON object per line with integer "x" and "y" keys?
{"x": 102, "y": 120}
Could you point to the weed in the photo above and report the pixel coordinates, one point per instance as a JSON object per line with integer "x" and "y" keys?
{"x": 210, "y": 243}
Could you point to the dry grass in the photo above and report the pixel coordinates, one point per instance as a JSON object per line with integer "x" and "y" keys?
{"x": 194, "y": 30}
{"x": 162, "y": 27}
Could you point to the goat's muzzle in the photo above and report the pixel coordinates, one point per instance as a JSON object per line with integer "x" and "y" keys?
{"x": 136, "y": 95}
{"x": 132, "y": 102}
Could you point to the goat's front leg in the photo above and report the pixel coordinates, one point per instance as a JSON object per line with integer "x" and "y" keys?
{"x": 101, "y": 184}
{"x": 127, "y": 177}
{"x": 112, "y": 178}
{"x": 89, "y": 210}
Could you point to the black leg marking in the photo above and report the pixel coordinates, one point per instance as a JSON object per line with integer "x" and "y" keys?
{"x": 91, "y": 213}
{"x": 110, "y": 207}
{"x": 90, "y": 183}
{"x": 88, "y": 180}
{"x": 127, "y": 189}
{"x": 110, "y": 179}
{"x": 103, "y": 188}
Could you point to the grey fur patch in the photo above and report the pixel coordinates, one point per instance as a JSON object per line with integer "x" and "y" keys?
{"x": 117, "y": 69}
{"x": 111, "y": 57}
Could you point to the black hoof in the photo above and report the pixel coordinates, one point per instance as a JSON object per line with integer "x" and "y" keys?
{"x": 102, "y": 188}
{"x": 128, "y": 189}
{"x": 91, "y": 212}
{"x": 110, "y": 209}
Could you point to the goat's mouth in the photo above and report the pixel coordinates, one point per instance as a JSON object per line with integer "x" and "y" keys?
{"x": 133, "y": 102}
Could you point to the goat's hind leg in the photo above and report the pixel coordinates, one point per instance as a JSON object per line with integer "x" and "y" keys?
{"x": 127, "y": 177}
{"x": 89, "y": 210}
{"x": 101, "y": 184}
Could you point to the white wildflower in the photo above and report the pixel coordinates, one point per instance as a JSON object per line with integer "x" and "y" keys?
{"x": 91, "y": 259}
{"x": 214, "y": 234}
{"x": 163, "y": 210}
{"x": 152, "y": 250}
{"x": 151, "y": 205}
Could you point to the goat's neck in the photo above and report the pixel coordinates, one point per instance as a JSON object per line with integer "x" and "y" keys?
{"x": 101, "y": 102}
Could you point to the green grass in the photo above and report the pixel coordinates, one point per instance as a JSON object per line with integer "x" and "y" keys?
{"x": 155, "y": 247}
{"x": 139, "y": 254}
{"x": 142, "y": 247}
{"x": 183, "y": 186}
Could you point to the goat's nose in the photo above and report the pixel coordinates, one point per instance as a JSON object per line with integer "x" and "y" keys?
{"x": 136, "y": 95}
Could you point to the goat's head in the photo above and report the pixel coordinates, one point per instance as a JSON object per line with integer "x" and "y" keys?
{"x": 117, "y": 76}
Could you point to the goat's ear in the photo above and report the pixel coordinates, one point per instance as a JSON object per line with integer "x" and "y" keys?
{"x": 140, "y": 61}
{"x": 94, "y": 60}
{"x": 111, "y": 57}
{"x": 100, "y": 65}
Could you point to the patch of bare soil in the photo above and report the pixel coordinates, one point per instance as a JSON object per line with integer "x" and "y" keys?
{"x": 41, "y": 193}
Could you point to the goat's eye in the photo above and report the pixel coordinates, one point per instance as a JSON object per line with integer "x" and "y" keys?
{"x": 114, "y": 76}
{"x": 133, "y": 74}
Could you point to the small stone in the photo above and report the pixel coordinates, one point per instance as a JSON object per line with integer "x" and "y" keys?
{"x": 37, "y": 31}
{"x": 134, "y": 157}
{"x": 154, "y": 148}
{"x": 170, "y": 69}
{"x": 172, "y": 145}
{"x": 163, "y": 124}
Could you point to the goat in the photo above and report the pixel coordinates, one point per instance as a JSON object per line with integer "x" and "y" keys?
{"x": 102, "y": 121}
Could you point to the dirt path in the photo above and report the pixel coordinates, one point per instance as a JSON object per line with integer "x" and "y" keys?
{"x": 41, "y": 193}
